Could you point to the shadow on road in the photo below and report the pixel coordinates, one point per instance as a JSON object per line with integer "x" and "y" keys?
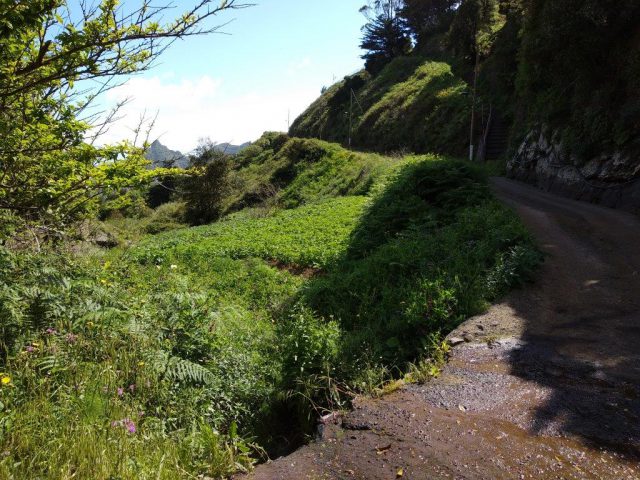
{"x": 581, "y": 338}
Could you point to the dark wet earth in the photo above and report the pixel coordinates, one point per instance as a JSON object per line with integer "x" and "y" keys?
{"x": 545, "y": 385}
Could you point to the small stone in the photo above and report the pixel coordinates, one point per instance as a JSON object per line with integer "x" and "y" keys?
{"x": 453, "y": 341}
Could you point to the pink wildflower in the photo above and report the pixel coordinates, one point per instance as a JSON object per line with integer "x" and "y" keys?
{"x": 126, "y": 423}
{"x": 131, "y": 427}
{"x": 120, "y": 391}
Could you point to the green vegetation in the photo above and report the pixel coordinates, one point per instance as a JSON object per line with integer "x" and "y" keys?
{"x": 195, "y": 352}
{"x": 192, "y": 351}
{"x": 53, "y": 172}
{"x": 313, "y": 235}
{"x": 570, "y": 67}
{"x": 289, "y": 172}
{"x": 413, "y": 104}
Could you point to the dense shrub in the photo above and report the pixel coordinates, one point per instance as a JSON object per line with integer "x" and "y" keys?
{"x": 203, "y": 193}
{"x": 297, "y": 172}
{"x": 168, "y": 216}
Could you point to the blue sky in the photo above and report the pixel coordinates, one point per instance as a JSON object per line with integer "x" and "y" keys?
{"x": 275, "y": 59}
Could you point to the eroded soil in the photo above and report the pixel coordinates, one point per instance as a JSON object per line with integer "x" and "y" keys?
{"x": 546, "y": 384}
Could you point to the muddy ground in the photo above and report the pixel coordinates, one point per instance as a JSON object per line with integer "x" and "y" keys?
{"x": 545, "y": 385}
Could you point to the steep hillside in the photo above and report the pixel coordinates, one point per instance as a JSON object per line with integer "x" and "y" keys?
{"x": 413, "y": 104}
{"x": 288, "y": 172}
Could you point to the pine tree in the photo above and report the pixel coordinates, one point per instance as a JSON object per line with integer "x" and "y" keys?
{"x": 386, "y": 35}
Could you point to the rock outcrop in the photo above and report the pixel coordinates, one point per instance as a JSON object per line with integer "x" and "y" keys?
{"x": 611, "y": 180}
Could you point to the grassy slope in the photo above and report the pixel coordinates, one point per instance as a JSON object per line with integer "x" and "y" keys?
{"x": 193, "y": 332}
{"x": 289, "y": 172}
{"x": 413, "y": 104}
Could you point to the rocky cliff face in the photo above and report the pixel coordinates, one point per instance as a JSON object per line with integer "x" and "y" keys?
{"x": 611, "y": 180}
{"x": 162, "y": 156}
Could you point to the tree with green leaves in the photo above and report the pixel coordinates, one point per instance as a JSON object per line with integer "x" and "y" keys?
{"x": 52, "y": 171}
{"x": 385, "y": 35}
{"x": 204, "y": 191}
{"x": 426, "y": 18}
{"x": 474, "y": 29}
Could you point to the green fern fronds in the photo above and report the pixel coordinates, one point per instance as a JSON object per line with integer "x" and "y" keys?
{"x": 181, "y": 370}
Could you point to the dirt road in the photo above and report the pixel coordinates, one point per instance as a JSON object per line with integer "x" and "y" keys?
{"x": 545, "y": 386}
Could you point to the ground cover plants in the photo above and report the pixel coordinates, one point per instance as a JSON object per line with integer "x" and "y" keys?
{"x": 195, "y": 351}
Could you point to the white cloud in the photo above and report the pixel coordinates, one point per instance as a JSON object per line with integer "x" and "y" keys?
{"x": 192, "y": 109}
{"x": 299, "y": 66}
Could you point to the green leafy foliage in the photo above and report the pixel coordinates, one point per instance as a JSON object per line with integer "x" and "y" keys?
{"x": 205, "y": 188}
{"x": 293, "y": 172}
{"x": 53, "y": 172}
{"x": 579, "y": 65}
{"x": 420, "y": 261}
{"x": 189, "y": 352}
{"x": 313, "y": 235}
{"x": 412, "y": 104}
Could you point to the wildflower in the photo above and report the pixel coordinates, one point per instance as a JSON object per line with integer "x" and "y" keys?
{"x": 90, "y": 324}
{"x": 126, "y": 423}
{"x": 174, "y": 267}
{"x": 51, "y": 331}
{"x": 5, "y": 379}
{"x": 30, "y": 349}
{"x": 71, "y": 338}
{"x": 132, "y": 388}
{"x": 120, "y": 391}
{"x": 141, "y": 364}
{"x": 131, "y": 427}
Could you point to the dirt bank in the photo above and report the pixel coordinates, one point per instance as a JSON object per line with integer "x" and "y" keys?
{"x": 546, "y": 384}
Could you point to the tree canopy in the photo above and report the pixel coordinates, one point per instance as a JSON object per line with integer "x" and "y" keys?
{"x": 385, "y": 35}
{"x": 426, "y": 18}
{"x": 51, "y": 169}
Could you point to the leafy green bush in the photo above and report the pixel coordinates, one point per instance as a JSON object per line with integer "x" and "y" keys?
{"x": 135, "y": 360}
{"x": 203, "y": 191}
{"x": 168, "y": 216}
{"x": 309, "y": 345}
{"x": 418, "y": 262}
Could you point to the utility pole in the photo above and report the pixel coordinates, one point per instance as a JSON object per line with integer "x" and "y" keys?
{"x": 288, "y": 120}
{"x": 350, "y": 116}
{"x": 353, "y": 97}
{"x": 473, "y": 105}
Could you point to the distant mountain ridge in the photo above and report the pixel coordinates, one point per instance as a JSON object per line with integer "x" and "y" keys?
{"x": 162, "y": 156}
{"x": 232, "y": 149}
